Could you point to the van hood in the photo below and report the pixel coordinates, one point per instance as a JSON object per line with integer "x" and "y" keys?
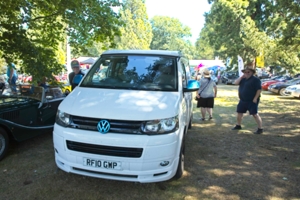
{"x": 121, "y": 104}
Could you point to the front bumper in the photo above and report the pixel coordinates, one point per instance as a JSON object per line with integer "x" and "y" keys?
{"x": 146, "y": 168}
{"x": 273, "y": 90}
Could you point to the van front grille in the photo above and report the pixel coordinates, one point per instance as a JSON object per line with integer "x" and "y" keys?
{"x": 116, "y": 126}
{"x": 127, "y": 152}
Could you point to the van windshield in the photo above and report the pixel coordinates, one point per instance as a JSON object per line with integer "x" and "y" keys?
{"x": 133, "y": 72}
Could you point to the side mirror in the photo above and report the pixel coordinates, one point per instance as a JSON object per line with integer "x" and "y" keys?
{"x": 77, "y": 78}
{"x": 193, "y": 85}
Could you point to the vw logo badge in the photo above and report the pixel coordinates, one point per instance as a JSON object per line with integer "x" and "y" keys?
{"x": 103, "y": 126}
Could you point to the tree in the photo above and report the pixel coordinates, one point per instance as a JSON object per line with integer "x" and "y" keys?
{"x": 248, "y": 28}
{"x": 204, "y": 50}
{"x": 32, "y": 31}
{"x": 170, "y": 34}
{"x": 137, "y": 32}
{"x": 233, "y": 32}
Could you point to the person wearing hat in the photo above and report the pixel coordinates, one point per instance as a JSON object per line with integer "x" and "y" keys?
{"x": 206, "y": 94}
{"x": 249, "y": 95}
{"x": 76, "y": 70}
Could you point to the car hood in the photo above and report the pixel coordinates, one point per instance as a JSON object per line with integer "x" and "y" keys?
{"x": 270, "y": 82}
{"x": 232, "y": 76}
{"x": 121, "y": 104}
{"x": 8, "y": 103}
{"x": 282, "y": 84}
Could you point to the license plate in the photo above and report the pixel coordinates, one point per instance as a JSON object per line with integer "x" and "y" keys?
{"x": 105, "y": 164}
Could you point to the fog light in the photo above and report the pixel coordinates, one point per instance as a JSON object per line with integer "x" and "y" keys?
{"x": 164, "y": 163}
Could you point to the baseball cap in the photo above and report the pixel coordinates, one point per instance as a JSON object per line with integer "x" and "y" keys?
{"x": 75, "y": 63}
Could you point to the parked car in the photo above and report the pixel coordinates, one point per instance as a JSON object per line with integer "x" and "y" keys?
{"x": 265, "y": 85}
{"x": 214, "y": 78}
{"x": 280, "y": 78}
{"x": 279, "y": 88}
{"x": 290, "y": 89}
{"x": 229, "y": 77}
{"x": 32, "y": 112}
{"x": 270, "y": 78}
{"x": 296, "y": 93}
{"x": 261, "y": 74}
{"x": 114, "y": 126}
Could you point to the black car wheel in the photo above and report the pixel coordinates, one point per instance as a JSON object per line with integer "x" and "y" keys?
{"x": 190, "y": 123}
{"x": 282, "y": 92}
{"x": 3, "y": 143}
{"x": 180, "y": 167}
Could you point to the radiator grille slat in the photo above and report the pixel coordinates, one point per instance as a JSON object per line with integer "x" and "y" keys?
{"x": 105, "y": 150}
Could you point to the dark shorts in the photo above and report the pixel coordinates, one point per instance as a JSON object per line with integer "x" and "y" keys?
{"x": 206, "y": 102}
{"x": 244, "y": 106}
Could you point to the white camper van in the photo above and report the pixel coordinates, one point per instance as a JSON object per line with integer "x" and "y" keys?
{"x": 128, "y": 117}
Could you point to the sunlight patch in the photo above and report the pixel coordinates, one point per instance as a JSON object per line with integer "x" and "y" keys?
{"x": 220, "y": 172}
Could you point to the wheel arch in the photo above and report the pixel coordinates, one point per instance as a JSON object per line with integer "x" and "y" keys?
{"x": 7, "y": 130}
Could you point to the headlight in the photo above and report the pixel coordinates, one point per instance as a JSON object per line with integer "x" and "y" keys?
{"x": 62, "y": 118}
{"x": 161, "y": 126}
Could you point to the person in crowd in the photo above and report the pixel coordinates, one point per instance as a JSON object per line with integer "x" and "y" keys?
{"x": 206, "y": 94}
{"x": 75, "y": 65}
{"x": 198, "y": 75}
{"x": 249, "y": 95}
{"x": 219, "y": 75}
{"x": 12, "y": 75}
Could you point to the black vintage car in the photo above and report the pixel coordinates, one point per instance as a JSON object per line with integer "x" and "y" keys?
{"x": 229, "y": 77}
{"x": 29, "y": 113}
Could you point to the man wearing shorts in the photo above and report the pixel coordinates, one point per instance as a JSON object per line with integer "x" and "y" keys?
{"x": 249, "y": 94}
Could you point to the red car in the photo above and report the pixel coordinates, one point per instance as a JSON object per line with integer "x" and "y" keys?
{"x": 266, "y": 84}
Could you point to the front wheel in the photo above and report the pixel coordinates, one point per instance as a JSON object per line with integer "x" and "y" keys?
{"x": 3, "y": 143}
{"x": 180, "y": 167}
{"x": 282, "y": 92}
{"x": 190, "y": 123}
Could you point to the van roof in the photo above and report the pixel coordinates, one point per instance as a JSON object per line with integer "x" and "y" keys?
{"x": 145, "y": 52}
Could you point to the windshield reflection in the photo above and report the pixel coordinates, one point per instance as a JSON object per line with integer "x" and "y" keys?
{"x": 133, "y": 72}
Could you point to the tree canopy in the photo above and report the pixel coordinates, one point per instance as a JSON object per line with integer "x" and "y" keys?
{"x": 33, "y": 32}
{"x": 251, "y": 28}
{"x": 170, "y": 34}
{"x": 136, "y": 34}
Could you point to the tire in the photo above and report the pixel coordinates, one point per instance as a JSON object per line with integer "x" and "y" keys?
{"x": 4, "y": 142}
{"x": 180, "y": 167}
{"x": 190, "y": 123}
{"x": 282, "y": 92}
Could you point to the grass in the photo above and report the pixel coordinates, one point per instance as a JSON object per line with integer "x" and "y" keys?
{"x": 219, "y": 163}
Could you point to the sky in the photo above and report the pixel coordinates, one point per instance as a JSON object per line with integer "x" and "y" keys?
{"x": 189, "y": 12}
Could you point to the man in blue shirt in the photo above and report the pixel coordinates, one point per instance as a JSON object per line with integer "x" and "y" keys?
{"x": 249, "y": 94}
{"x": 76, "y": 71}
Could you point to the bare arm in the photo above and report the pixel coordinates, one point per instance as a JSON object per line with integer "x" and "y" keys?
{"x": 256, "y": 96}
{"x": 215, "y": 89}
{"x": 237, "y": 81}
